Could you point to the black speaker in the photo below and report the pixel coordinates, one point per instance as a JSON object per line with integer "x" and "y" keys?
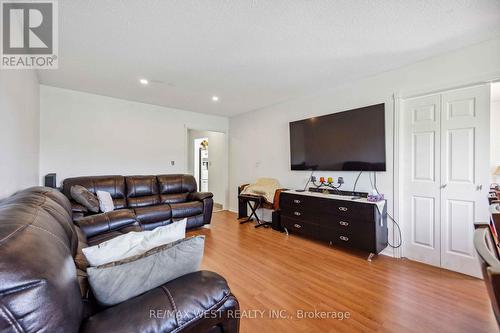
{"x": 50, "y": 180}
{"x": 276, "y": 222}
{"x": 242, "y": 206}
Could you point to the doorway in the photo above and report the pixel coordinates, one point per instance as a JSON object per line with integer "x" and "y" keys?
{"x": 207, "y": 162}
{"x": 495, "y": 134}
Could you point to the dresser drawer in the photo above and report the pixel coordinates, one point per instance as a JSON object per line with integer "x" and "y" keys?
{"x": 360, "y": 239}
{"x": 353, "y": 210}
{"x": 293, "y": 201}
{"x": 301, "y": 214}
{"x": 299, "y": 227}
{"x": 348, "y": 223}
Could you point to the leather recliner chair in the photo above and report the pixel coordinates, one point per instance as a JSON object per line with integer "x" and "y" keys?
{"x": 141, "y": 203}
{"x": 43, "y": 287}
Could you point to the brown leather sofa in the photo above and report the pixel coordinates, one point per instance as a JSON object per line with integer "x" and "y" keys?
{"x": 141, "y": 203}
{"x": 43, "y": 286}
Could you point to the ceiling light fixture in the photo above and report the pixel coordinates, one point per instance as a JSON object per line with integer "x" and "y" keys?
{"x": 144, "y": 81}
{"x": 215, "y": 98}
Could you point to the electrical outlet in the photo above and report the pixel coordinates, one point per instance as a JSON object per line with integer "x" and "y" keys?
{"x": 341, "y": 180}
{"x": 313, "y": 178}
{"x": 172, "y": 163}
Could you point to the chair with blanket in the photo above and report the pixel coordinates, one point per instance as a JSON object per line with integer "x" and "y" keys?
{"x": 264, "y": 193}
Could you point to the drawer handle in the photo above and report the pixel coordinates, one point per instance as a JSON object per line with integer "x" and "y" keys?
{"x": 297, "y": 213}
{"x": 343, "y": 209}
{"x": 296, "y": 201}
{"x": 345, "y": 224}
{"x": 298, "y": 226}
{"x": 344, "y": 238}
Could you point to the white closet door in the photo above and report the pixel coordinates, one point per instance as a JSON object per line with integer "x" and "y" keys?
{"x": 464, "y": 174}
{"x": 422, "y": 182}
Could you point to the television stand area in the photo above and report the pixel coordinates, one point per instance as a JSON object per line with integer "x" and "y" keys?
{"x": 337, "y": 219}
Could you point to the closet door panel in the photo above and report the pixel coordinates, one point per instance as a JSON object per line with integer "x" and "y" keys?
{"x": 421, "y": 173}
{"x": 464, "y": 174}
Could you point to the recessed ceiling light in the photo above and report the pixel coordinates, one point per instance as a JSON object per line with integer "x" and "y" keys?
{"x": 144, "y": 81}
{"x": 215, "y": 98}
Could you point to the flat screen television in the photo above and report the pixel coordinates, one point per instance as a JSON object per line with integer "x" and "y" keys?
{"x": 351, "y": 140}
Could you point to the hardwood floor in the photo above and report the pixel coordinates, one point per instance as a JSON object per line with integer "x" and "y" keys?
{"x": 268, "y": 270}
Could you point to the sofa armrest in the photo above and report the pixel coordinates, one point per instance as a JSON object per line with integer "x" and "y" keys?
{"x": 200, "y": 196}
{"x": 208, "y": 203}
{"x": 195, "y": 302}
{"x": 100, "y": 223}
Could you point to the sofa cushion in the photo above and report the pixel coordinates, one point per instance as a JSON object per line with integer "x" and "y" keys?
{"x": 51, "y": 201}
{"x": 77, "y": 208}
{"x": 84, "y": 197}
{"x": 119, "y": 281}
{"x": 185, "y": 209}
{"x": 191, "y": 297}
{"x": 134, "y": 243}
{"x": 151, "y": 214}
{"x": 142, "y": 191}
{"x": 105, "y": 201}
{"x": 115, "y": 185}
{"x": 174, "y": 198}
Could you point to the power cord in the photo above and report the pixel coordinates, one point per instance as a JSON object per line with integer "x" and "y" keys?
{"x": 336, "y": 188}
{"x": 309, "y": 180}
{"x": 371, "y": 183}
{"x": 374, "y": 185}
{"x": 356, "y": 182}
{"x": 399, "y": 231}
{"x": 375, "y": 181}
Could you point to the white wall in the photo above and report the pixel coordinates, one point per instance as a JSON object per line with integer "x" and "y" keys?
{"x": 19, "y": 130}
{"x": 86, "y": 134}
{"x": 217, "y": 156}
{"x": 259, "y": 140}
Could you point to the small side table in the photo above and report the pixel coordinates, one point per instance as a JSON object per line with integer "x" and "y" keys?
{"x": 257, "y": 203}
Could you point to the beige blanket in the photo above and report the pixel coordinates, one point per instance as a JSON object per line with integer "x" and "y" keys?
{"x": 265, "y": 187}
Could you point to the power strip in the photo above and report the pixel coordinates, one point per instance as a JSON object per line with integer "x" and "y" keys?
{"x": 338, "y": 192}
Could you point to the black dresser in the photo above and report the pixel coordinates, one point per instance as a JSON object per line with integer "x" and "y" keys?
{"x": 337, "y": 219}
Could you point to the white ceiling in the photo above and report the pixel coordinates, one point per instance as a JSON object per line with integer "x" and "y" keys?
{"x": 252, "y": 53}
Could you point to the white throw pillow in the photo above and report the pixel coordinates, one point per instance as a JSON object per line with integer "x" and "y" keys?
{"x": 134, "y": 243}
{"x": 105, "y": 201}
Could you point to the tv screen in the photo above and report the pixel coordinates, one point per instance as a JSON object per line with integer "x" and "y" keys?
{"x": 352, "y": 140}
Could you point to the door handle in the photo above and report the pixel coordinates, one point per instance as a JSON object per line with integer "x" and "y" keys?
{"x": 297, "y": 213}
{"x": 343, "y": 209}
{"x": 479, "y": 187}
{"x": 345, "y": 224}
{"x": 344, "y": 238}
{"x": 296, "y": 201}
{"x": 444, "y": 186}
{"x": 298, "y": 226}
